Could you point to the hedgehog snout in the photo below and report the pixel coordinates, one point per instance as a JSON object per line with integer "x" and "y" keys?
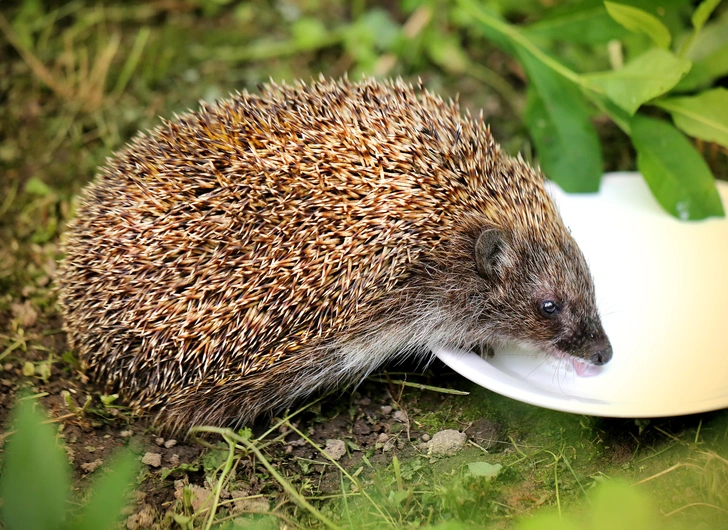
{"x": 590, "y": 344}
{"x": 603, "y": 354}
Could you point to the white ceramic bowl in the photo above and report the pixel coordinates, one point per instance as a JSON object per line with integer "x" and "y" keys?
{"x": 662, "y": 290}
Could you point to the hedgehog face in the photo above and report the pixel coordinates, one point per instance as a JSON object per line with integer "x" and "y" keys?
{"x": 542, "y": 295}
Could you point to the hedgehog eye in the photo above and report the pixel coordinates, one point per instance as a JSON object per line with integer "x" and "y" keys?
{"x": 549, "y": 308}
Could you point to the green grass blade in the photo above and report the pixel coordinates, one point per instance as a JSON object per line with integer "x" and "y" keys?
{"x": 108, "y": 494}
{"x": 634, "y": 508}
{"x": 35, "y": 477}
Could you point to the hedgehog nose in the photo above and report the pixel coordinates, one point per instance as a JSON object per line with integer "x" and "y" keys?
{"x": 603, "y": 356}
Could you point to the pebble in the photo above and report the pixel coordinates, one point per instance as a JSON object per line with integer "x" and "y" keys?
{"x": 169, "y": 444}
{"x": 90, "y": 467}
{"x": 386, "y": 409}
{"x": 159, "y": 441}
{"x": 152, "y": 459}
{"x": 242, "y": 503}
{"x": 199, "y": 497}
{"x": 335, "y": 449}
{"x": 142, "y": 519}
{"x": 400, "y": 415}
{"x": 447, "y": 442}
{"x": 24, "y": 314}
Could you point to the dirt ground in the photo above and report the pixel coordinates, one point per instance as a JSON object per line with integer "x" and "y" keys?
{"x": 71, "y": 93}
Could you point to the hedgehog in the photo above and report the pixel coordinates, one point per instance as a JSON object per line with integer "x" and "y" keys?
{"x": 243, "y": 256}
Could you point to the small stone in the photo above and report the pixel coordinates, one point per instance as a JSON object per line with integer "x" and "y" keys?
{"x": 382, "y": 438}
{"x": 90, "y": 467}
{"x": 169, "y": 444}
{"x": 142, "y": 519}
{"x": 200, "y": 496}
{"x": 244, "y": 504}
{"x": 335, "y": 449}
{"x": 24, "y": 314}
{"x": 447, "y": 442}
{"x": 8, "y": 366}
{"x": 425, "y": 437}
{"x": 174, "y": 460}
{"x": 365, "y": 402}
{"x": 386, "y": 410}
{"x": 152, "y": 459}
{"x": 126, "y": 434}
{"x": 400, "y": 415}
{"x": 159, "y": 441}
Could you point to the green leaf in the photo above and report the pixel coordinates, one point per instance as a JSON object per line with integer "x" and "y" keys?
{"x": 607, "y": 106}
{"x": 486, "y": 20}
{"x": 35, "y": 186}
{"x": 713, "y": 37}
{"x": 381, "y": 27}
{"x": 678, "y": 176}
{"x": 446, "y": 52}
{"x": 308, "y": 33}
{"x": 35, "y": 481}
{"x": 639, "y": 21}
{"x": 371, "y": 34}
{"x": 109, "y": 494}
{"x": 650, "y": 75}
{"x": 484, "y": 469}
{"x": 705, "y": 71}
{"x": 702, "y": 13}
{"x": 704, "y": 116}
{"x": 558, "y": 121}
{"x": 586, "y": 25}
{"x": 709, "y": 53}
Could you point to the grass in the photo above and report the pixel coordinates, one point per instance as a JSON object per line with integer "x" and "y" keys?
{"x": 78, "y": 81}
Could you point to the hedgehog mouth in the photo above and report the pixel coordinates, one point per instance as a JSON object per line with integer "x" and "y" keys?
{"x": 581, "y": 367}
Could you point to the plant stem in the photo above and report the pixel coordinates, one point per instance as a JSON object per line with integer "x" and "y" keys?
{"x": 228, "y": 434}
{"x": 517, "y": 37}
{"x": 221, "y": 480}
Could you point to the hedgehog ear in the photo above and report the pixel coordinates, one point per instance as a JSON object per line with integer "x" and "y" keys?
{"x": 487, "y": 249}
